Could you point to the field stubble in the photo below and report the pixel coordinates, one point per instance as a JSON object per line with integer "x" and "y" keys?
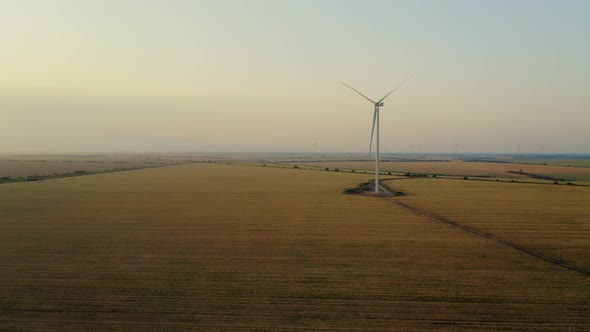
{"x": 225, "y": 247}
{"x": 460, "y": 168}
{"x": 551, "y": 219}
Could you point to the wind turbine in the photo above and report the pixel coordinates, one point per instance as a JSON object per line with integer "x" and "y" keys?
{"x": 377, "y": 104}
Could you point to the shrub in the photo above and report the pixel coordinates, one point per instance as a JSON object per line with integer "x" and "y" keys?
{"x": 34, "y": 177}
{"x": 7, "y": 179}
{"x": 358, "y": 189}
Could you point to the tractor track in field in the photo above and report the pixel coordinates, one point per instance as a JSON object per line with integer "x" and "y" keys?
{"x": 534, "y": 253}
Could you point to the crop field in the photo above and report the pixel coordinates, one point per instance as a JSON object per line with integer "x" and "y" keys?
{"x": 554, "y": 220}
{"x": 29, "y": 165}
{"x": 208, "y": 246}
{"x": 27, "y": 168}
{"x": 575, "y": 162}
{"x": 461, "y": 168}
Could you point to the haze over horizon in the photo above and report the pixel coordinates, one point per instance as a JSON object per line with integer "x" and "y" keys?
{"x": 261, "y": 76}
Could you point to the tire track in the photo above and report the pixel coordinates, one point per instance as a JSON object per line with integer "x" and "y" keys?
{"x": 534, "y": 253}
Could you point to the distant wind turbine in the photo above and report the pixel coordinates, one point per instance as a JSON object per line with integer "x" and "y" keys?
{"x": 377, "y": 104}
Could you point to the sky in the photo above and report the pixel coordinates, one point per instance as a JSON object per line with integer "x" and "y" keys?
{"x": 168, "y": 76}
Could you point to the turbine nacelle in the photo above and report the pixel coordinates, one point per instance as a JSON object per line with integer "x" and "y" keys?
{"x": 378, "y": 104}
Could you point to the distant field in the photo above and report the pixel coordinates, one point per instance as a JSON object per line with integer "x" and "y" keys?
{"x": 575, "y": 162}
{"x": 27, "y": 168}
{"x": 28, "y": 165}
{"x": 206, "y": 246}
{"x": 121, "y": 157}
{"x": 466, "y": 168}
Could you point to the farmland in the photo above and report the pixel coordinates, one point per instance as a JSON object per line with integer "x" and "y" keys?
{"x": 28, "y": 168}
{"x": 206, "y": 246}
{"x": 15, "y": 166}
{"x": 461, "y": 168}
{"x": 553, "y": 220}
{"x": 581, "y": 161}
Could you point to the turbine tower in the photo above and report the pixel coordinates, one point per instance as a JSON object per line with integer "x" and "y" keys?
{"x": 376, "y": 125}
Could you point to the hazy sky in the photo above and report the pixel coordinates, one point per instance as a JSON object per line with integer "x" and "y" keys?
{"x": 87, "y": 76}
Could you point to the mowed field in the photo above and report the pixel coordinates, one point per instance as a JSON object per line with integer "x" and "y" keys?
{"x": 203, "y": 246}
{"x": 554, "y": 220}
{"x": 28, "y": 168}
{"x": 580, "y": 162}
{"x": 466, "y": 168}
{"x": 28, "y": 165}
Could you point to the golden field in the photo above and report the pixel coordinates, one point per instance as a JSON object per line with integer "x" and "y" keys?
{"x": 551, "y": 219}
{"x": 27, "y": 168}
{"x": 27, "y": 165}
{"x": 461, "y": 168}
{"x": 204, "y": 246}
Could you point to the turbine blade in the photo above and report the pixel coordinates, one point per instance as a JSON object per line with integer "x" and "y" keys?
{"x": 372, "y": 130}
{"x": 402, "y": 83}
{"x": 367, "y": 98}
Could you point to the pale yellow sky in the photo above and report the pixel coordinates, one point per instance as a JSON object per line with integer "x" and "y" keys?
{"x": 86, "y": 76}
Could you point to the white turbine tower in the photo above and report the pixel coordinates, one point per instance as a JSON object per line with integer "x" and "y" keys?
{"x": 376, "y": 125}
